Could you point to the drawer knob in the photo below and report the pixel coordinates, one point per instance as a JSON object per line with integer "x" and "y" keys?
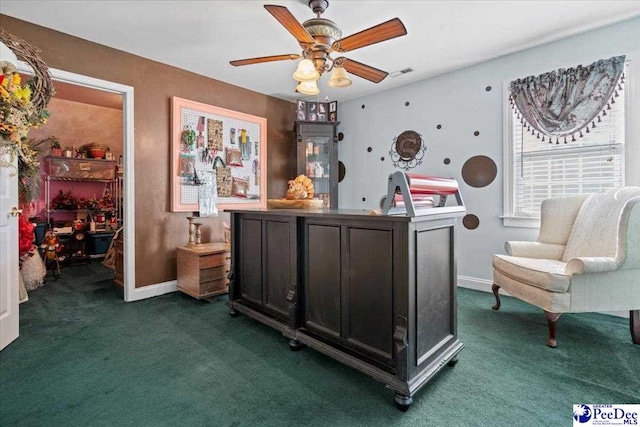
{"x": 227, "y": 257}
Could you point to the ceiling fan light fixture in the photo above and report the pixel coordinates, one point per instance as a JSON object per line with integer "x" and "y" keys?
{"x": 339, "y": 78}
{"x": 308, "y": 88}
{"x": 306, "y": 71}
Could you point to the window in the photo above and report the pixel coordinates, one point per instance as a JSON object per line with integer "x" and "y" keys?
{"x": 539, "y": 170}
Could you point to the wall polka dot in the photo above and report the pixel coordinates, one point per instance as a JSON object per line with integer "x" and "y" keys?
{"x": 406, "y": 104}
{"x": 479, "y": 171}
{"x": 364, "y": 199}
{"x": 382, "y": 159}
{"x": 340, "y": 136}
{"x": 363, "y": 106}
{"x": 439, "y": 127}
{"x": 470, "y": 221}
{"x": 342, "y": 171}
{"x": 447, "y": 161}
{"x": 369, "y": 149}
{"x": 488, "y": 88}
{"x": 476, "y": 133}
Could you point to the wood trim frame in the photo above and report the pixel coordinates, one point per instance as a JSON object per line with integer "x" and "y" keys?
{"x": 176, "y": 129}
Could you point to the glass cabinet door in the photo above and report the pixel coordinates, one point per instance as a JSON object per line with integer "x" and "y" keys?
{"x": 317, "y": 158}
{"x": 318, "y": 166}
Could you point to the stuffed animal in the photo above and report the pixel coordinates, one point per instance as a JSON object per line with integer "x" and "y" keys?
{"x": 300, "y": 188}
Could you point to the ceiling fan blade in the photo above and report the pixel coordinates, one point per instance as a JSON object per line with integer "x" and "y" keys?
{"x": 381, "y": 32}
{"x": 285, "y": 17}
{"x": 262, "y": 59}
{"x": 362, "y": 70}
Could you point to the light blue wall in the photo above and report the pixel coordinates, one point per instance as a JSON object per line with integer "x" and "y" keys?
{"x": 459, "y": 102}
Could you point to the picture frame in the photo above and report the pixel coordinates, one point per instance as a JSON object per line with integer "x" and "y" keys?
{"x": 251, "y": 134}
{"x": 301, "y": 110}
{"x": 333, "y": 111}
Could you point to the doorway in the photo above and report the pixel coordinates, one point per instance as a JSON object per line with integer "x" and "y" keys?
{"x": 125, "y": 93}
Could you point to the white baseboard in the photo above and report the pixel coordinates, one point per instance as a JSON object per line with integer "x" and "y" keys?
{"x": 155, "y": 290}
{"x": 484, "y": 285}
{"x": 476, "y": 284}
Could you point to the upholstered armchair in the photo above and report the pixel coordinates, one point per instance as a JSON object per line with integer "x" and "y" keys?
{"x": 586, "y": 258}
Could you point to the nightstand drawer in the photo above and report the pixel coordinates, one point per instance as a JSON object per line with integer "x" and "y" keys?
{"x": 214, "y": 287}
{"x": 214, "y": 273}
{"x": 215, "y": 260}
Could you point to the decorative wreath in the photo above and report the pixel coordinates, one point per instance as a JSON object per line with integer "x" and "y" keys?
{"x": 407, "y": 150}
{"x": 42, "y": 86}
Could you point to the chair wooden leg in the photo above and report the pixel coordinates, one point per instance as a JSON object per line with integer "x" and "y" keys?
{"x": 634, "y": 326}
{"x": 495, "y": 289}
{"x": 552, "y": 319}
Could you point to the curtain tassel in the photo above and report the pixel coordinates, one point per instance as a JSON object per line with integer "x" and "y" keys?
{"x": 593, "y": 124}
{"x": 616, "y": 94}
{"x": 542, "y": 138}
{"x": 573, "y": 138}
{"x": 565, "y": 139}
{"x": 588, "y": 131}
{"x": 581, "y": 136}
{"x": 538, "y": 136}
{"x": 608, "y": 106}
{"x": 604, "y": 112}
{"x": 599, "y": 119}
{"x": 557, "y": 141}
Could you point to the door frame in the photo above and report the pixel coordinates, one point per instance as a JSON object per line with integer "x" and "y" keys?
{"x": 131, "y": 293}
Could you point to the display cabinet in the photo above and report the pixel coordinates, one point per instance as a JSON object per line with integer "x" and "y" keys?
{"x": 317, "y": 148}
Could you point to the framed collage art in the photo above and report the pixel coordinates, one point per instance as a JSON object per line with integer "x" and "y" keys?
{"x": 228, "y": 145}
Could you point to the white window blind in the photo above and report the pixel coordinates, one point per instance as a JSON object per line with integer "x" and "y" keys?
{"x": 590, "y": 164}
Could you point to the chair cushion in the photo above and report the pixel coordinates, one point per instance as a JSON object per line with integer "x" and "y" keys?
{"x": 547, "y": 274}
{"x": 595, "y": 231}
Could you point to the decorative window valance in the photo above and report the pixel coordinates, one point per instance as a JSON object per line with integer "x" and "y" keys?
{"x": 561, "y": 103}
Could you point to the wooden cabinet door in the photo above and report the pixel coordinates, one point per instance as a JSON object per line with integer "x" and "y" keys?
{"x": 367, "y": 291}
{"x": 250, "y": 260}
{"x": 349, "y": 285}
{"x": 322, "y": 284}
{"x": 280, "y": 263}
{"x": 267, "y": 262}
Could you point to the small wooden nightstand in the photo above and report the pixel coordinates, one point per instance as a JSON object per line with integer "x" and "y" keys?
{"x": 203, "y": 269}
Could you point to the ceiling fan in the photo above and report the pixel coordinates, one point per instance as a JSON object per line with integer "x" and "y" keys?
{"x": 319, "y": 37}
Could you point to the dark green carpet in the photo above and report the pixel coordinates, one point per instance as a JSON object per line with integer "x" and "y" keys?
{"x": 84, "y": 357}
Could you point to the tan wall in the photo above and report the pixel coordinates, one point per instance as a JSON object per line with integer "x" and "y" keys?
{"x": 77, "y": 124}
{"x": 159, "y": 231}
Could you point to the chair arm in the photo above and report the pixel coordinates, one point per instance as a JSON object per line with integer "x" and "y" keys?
{"x": 590, "y": 265}
{"x": 534, "y": 250}
{"x": 631, "y": 238}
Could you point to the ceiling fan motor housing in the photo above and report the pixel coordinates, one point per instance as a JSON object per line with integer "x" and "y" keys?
{"x": 318, "y": 6}
{"x": 324, "y": 32}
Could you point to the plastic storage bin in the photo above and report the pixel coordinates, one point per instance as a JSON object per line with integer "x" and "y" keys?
{"x": 99, "y": 243}
{"x": 73, "y": 168}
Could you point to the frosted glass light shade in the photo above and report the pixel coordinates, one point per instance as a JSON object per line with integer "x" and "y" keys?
{"x": 308, "y": 88}
{"x": 339, "y": 78}
{"x": 306, "y": 71}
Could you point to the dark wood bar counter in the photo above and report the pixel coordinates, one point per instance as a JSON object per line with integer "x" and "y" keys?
{"x": 377, "y": 293}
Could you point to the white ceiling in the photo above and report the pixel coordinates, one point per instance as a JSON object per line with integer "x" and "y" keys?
{"x": 204, "y": 35}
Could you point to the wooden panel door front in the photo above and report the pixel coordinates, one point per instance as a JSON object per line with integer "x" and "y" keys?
{"x": 322, "y": 285}
{"x": 280, "y": 263}
{"x": 367, "y": 291}
{"x": 250, "y": 277}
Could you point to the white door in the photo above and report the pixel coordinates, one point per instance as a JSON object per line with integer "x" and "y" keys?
{"x": 8, "y": 256}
